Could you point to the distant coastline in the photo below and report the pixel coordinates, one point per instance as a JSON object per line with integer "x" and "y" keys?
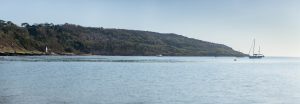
{"x": 70, "y": 39}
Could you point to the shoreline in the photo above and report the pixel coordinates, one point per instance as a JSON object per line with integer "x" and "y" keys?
{"x": 72, "y": 54}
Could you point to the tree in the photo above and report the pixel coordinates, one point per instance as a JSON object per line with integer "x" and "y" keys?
{"x": 10, "y": 23}
{"x": 2, "y": 21}
{"x": 25, "y": 25}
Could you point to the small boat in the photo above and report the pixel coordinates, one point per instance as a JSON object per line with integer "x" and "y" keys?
{"x": 255, "y": 55}
{"x": 160, "y": 55}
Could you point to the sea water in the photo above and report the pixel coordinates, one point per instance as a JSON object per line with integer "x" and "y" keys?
{"x": 148, "y": 80}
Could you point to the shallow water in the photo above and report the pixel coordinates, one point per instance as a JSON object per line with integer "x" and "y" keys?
{"x": 148, "y": 80}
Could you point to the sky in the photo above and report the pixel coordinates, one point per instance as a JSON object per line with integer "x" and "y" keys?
{"x": 275, "y": 24}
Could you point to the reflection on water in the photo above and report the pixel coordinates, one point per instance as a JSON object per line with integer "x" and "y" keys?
{"x": 148, "y": 80}
{"x": 147, "y": 59}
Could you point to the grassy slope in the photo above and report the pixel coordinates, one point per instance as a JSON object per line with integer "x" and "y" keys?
{"x": 69, "y": 38}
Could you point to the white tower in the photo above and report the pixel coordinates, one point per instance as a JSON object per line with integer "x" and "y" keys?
{"x": 46, "y": 50}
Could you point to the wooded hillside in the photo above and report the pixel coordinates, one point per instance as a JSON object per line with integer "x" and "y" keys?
{"x": 75, "y": 39}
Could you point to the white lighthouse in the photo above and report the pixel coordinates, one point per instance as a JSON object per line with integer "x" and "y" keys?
{"x": 46, "y": 50}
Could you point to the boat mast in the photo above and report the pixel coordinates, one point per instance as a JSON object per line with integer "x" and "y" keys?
{"x": 253, "y": 46}
{"x": 259, "y": 50}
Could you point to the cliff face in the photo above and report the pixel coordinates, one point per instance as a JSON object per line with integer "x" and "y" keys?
{"x": 75, "y": 39}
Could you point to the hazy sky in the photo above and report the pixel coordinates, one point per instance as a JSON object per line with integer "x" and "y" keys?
{"x": 274, "y": 23}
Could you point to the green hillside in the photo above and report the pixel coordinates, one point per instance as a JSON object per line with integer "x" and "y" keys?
{"x": 74, "y": 39}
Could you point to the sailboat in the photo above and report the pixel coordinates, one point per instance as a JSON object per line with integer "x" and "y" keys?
{"x": 255, "y": 55}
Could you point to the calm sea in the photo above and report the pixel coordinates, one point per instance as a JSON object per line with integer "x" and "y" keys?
{"x": 148, "y": 80}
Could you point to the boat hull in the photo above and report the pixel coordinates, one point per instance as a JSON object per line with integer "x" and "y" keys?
{"x": 255, "y": 57}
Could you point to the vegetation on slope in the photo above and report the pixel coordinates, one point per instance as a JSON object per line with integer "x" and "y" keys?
{"x": 75, "y": 39}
